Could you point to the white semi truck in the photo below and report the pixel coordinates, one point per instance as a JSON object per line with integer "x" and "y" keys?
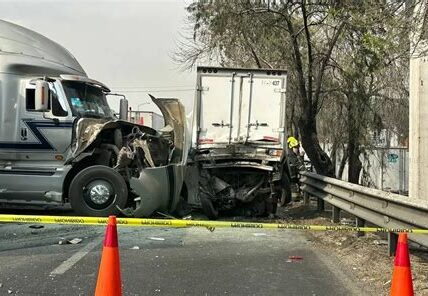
{"x": 238, "y": 156}
{"x": 60, "y": 142}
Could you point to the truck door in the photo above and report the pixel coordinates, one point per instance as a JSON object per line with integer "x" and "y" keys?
{"x": 39, "y": 143}
{"x": 262, "y": 109}
{"x": 240, "y": 106}
{"x": 44, "y": 135}
{"x": 218, "y": 106}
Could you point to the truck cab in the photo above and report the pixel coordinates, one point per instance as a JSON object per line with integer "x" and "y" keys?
{"x": 61, "y": 143}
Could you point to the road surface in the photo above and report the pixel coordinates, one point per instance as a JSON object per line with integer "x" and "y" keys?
{"x": 159, "y": 261}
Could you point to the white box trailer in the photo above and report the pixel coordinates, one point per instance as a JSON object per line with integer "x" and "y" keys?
{"x": 239, "y": 140}
{"x": 241, "y": 107}
{"x": 147, "y": 118}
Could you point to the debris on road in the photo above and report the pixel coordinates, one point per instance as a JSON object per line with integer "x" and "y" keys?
{"x": 74, "y": 241}
{"x": 259, "y": 234}
{"x": 380, "y": 242}
{"x": 36, "y": 226}
{"x": 135, "y": 248}
{"x": 357, "y": 254}
{"x": 296, "y": 258}
{"x": 156, "y": 238}
{"x": 346, "y": 221}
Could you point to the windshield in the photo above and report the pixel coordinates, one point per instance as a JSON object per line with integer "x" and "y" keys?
{"x": 86, "y": 100}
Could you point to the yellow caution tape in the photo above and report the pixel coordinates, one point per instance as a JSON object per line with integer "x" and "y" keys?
{"x": 211, "y": 225}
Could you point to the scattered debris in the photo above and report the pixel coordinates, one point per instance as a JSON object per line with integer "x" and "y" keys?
{"x": 387, "y": 283}
{"x": 36, "y": 226}
{"x": 380, "y": 242}
{"x": 295, "y": 258}
{"x": 1, "y": 285}
{"x": 9, "y": 291}
{"x": 259, "y": 234}
{"x": 189, "y": 217}
{"x": 135, "y": 248}
{"x": 346, "y": 221}
{"x": 156, "y": 238}
{"x": 211, "y": 228}
{"x": 74, "y": 241}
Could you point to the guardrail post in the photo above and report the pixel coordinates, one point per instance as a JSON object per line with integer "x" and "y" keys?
{"x": 360, "y": 223}
{"x": 306, "y": 198}
{"x": 320, "y": 205}
{"x": 392, "y": 243}
{"x": 335, "y": 214}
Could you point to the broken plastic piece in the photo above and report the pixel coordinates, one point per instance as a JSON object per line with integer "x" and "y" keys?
{"x": 295, "y": 257}
{"x": 259, "y": 234}
{"x": 73, "y": 241}
{"x": 36, "y": 226}
{"x": 157, "y": 238}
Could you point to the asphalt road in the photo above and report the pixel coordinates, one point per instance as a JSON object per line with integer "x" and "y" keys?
{"x": 158, "y": 261}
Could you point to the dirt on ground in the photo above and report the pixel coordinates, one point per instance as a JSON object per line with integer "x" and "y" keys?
{"x": 366, "y": 256}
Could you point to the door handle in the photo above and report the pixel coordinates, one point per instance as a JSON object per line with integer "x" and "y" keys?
{"x": 222, "y": 124}
{"x": 24, "y": 134}
{"x": 257, "y": 124}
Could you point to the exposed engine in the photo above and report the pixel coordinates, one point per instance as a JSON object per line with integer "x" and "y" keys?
{"x": 245, "y": 191}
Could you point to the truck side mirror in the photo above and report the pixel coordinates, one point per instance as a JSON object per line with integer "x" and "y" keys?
{"x": 41, "y": 96}
{"x": 123, "y": 109}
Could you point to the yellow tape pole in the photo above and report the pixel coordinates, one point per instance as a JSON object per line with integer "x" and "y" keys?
{"x": 211, "y": 225}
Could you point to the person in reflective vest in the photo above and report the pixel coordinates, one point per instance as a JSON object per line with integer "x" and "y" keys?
{"x": 295, "y": 159}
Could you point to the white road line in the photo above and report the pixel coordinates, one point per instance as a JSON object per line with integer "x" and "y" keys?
{"x": 67, "y": 264}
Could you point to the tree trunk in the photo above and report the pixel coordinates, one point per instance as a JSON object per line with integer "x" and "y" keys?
{"x": 343, "y": 163}
{"x": 310, "y": 142}
{"x": 355, "y": 164}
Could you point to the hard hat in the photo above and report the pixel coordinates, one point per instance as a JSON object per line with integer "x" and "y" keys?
{"x": 292, "y": 142}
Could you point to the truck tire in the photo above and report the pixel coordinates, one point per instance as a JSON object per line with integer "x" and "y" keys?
{"x": 285, "y": 195}
{"x": 98, "y": 191}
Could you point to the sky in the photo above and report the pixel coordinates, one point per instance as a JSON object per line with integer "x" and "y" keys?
{"x": 126, "y": 44}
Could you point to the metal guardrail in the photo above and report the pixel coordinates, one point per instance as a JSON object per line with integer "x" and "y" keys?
{"x": 381, "y": 208}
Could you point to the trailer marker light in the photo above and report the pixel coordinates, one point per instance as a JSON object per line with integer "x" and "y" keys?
{"x": 275, "y": 152}
{"x": 206, "y": 141}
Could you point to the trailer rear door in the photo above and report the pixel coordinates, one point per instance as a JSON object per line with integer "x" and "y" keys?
{"x": 240, "y": 106}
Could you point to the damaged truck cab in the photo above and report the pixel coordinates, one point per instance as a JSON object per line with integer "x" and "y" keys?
{"x": 61, "y": 143}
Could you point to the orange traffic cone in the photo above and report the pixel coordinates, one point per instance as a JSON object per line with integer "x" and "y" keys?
{"x": 109, "y": 282}
{"x": 401, "y": 284}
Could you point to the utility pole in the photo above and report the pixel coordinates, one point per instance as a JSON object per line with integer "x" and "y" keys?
{"x": 418, "y": 102}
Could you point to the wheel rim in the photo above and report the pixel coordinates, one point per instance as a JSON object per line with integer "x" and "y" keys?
{"x": 99, "y": 194}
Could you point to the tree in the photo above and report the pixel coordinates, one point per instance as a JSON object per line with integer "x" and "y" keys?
{"x": 346, "y": 62}
{"x": 293, "y": 35}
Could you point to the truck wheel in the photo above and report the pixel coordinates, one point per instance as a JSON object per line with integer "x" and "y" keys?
{"x": 97, "y": 191}
{"x": 285, "y": 192}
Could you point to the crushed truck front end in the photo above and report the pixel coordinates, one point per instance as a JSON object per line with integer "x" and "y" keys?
{"x": 239, "y": 140}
